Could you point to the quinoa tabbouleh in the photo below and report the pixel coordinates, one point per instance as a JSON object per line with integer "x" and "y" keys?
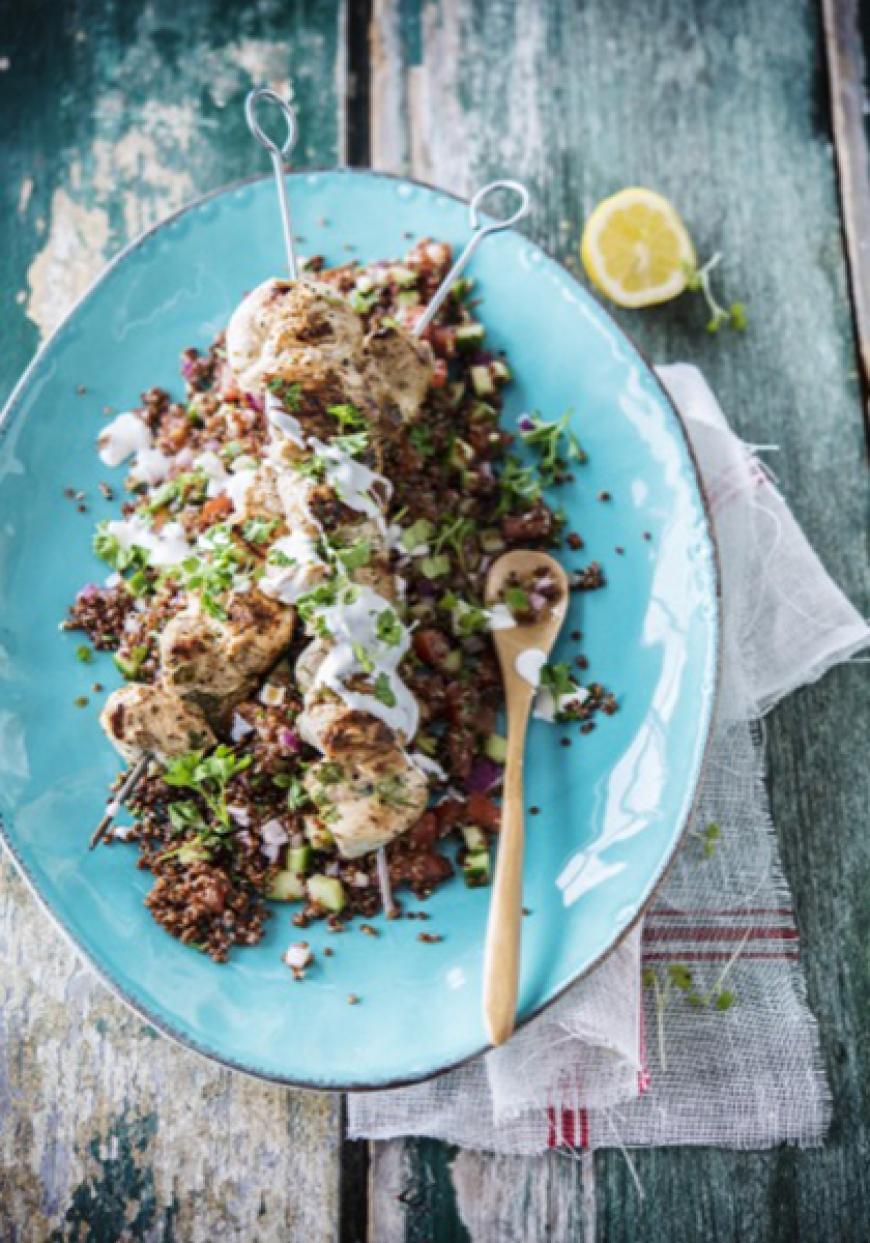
{"x": 296, "y": 602}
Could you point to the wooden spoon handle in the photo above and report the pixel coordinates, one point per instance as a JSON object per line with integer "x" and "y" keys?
{"x": 501, "y": 964}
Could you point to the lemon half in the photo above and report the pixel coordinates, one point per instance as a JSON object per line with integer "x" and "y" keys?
{"x": 636, "y": 249}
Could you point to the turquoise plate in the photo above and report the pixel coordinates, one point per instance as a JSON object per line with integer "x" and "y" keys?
{"x": 613, "y": 806}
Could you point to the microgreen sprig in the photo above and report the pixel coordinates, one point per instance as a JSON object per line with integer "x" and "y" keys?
{"x": 698, "y": 281}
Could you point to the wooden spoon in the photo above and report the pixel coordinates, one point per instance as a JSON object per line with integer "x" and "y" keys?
{"x": 522, "y": 650}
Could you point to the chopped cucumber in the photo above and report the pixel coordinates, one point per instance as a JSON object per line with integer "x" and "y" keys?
{"x": 476, "y": 869}
{"x": 318, "y": 834}
{"x": 286, "y": 886}
{"x": 500, "y": 372}
{"x": 496, "y": 748}
{"x": 408, "y": 297}
{"x": 435, "y": 567}
{"x": 298, "y": 859}
{"x": 455, "y": 393}
{"x": 452, "y": 662}
{"x": 475, "y": 839}
{"x": 492, "y": 541}
{"x": 190, "y": 852}
{"x": 461, "y": 453}
{"x": 404, "y": 277}
{"x": 327, "y": 892}
{"x": 470, "y": 336}
{"x": 481, "y": 381}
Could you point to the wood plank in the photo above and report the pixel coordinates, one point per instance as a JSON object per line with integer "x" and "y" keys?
{"x": 718, "y": 107}
{"x": 114, "y": 115}
{"x": 847, "y": 77}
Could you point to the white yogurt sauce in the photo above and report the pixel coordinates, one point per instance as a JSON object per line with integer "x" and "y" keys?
{"x": 150, "y": 466}
{"x": 353, "y": 628}
{"x": 501, "y": 618}
{"x": 545, "y": 707}
{"x": 165, "y": 547}
{"x": 529, "y": 665}
{"x": 353, "y": 481}
{"x": 286, "y": 425}
{"x": 286, "y": 583}
{"x": 125, "y": 435}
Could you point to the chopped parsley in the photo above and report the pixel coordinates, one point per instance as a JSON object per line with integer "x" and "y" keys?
{"x": 350, "y": 417}
{"x": 389, "y": 629}
{"x": 208, "y": 776}
{"x": 355, "y": 556}
{"x": 384, "y": 692}
{"x": 289, "y": 395}
{"x": 555, "y": 444}
{"x": 109, "y": 549}
{"x": 84, "y": 654}
{"x": 258, "y": 530}
{"x": 518, "y": 486}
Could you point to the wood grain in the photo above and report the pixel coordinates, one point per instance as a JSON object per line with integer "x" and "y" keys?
{"x": 115, "y": 114}
{"x": 722, "y": 108}
{"x": 848, "y": 92}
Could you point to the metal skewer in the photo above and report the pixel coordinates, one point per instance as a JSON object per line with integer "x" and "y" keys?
{"x": 277, "y": 155}
{"x": 134, "y": 775}
{"x": 480, "y": 231}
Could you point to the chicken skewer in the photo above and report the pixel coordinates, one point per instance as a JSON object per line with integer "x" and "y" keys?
{"x": 188, "y": 646}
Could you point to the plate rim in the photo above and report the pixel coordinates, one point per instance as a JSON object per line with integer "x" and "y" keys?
{"x": 10, "y": 412}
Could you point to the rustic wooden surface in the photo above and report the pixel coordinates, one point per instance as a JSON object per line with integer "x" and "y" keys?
{"x": 113, "y": 114}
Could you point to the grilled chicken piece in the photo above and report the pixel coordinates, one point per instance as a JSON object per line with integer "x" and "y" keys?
{"x": 153, "y": 720}
{"x": 398, "y": 369}
{"x": 340, "y": 732}
{"x": 298, "y": 330}
{"x": 203, "y": 654}
{"x": 369, "y": 801}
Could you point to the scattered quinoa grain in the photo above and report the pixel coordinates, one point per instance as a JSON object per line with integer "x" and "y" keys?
{"x": 81, "y": 390}
{"x": 574, "y": 541}
{"x": 619, "y": 550}
{"x": 352, "y": 999}
{"x": 646, "y": 535}
{"x": 565, "y": 742}
{"x": 581, "y": 662}
{"x": 604, "y": 496}
{"x": 369, "y": 930}
{"x": 327, "y": 951}
{"x": 81, "y": 701}
{"x": 429, "y": 938}
{"x": 587, "y": 727}
{"x": 534, "y": 811}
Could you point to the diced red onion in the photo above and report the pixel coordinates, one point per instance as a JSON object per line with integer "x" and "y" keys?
{"x": 332, "y": 869}
{"x": 273, "y": 833}
{"x": 88, "y": 592}
{"x": 525, "y": 423}
{"x": 485, "y": 775}
{"x": 187, "y": 366}
{"x": 536, "y": 600}
{"x": 240, "y": 728}
{"x": 289, "y": 740}
{"x": 298, "y": 955}
{"x": 254, "y": 402}
{"x": 241, "y": 815}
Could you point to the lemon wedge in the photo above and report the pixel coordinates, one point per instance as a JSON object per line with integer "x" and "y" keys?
{"x": 636, "y": 249}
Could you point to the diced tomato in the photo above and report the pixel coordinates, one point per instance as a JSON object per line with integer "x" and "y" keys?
{"x": 425, "y": 832}
{"x": 483, "y": 811}
{"x": 443, "y": 339}
{"x": 449, "y": 812}
{"x": 431, "y": 645}
{"x": 215, "y": 509}
{"x": 439, "y": 373}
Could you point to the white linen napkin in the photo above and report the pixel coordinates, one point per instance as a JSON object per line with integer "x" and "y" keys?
{"x": 695, "y": 1030}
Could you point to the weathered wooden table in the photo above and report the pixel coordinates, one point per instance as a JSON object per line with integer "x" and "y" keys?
{"x": 113, "y": 114}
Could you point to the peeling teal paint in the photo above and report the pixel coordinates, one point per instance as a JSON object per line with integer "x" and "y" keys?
{"x": 120, "y": 1200}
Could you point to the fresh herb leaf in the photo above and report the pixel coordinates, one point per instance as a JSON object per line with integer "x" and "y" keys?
{"x": 389, "y": 629}
{"x": 258, "y": 530}
{"x": 383, "y": 691}
{"x": 356, "y": 556}
{"x": 84, "y": 654}
{"x": 350, "y": 417}
{"x": 289, "y": 395}
{"x": 555, "y": 444}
